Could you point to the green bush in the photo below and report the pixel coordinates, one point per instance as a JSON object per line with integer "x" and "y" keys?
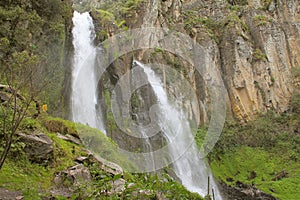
{"x": 259, "y": 55}
{"x": 295, "y": 102}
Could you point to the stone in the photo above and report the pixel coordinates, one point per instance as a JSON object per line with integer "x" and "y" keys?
{"x": 3, "y": 97}
{"x": 107, "y": 166}
{"x": 73, "y": 175}
{"x": 145, "y": 192}
{"x": 242, "y": 191}
{"x": 130, "y": 185}
{"x": 142, "y": 193}
{"x": 117, "y": 186}
{"x": 69, "y": 138}
{"x": 160, "y": 196}
{"x": 82, "y": 159}
{"x": 38, "y": 147}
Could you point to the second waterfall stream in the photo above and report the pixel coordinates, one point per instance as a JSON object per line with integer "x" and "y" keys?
{"x": 188, "y": 165}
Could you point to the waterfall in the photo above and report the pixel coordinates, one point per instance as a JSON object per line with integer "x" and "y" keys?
{"x": 188, "y": 165}
{"x": 84, "y": 83}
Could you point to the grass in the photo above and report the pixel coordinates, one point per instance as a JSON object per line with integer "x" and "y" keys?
{"x": 103, "y": 146}
{"x": 18, "y": 173}
{"x": 257, "y": 152}
{"x": 35, "y": 181}
{"x": 261, "y": 20}
{"x": 239, "y": 163}
{"x": 24, "y": 176}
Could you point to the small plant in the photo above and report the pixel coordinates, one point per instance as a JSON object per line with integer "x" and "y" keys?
{"x": 261, "y": 20}
{"x": 238, "y": 2}
{"x": 131, "y": 5}
{"x": 295, "y": 102}
{"x": 266, "y": 4}
{"x": 259, "y": 55}
{"x": 272, "y": 79}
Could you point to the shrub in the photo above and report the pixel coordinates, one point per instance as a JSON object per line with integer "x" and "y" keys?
{"x": 295, "y": 102}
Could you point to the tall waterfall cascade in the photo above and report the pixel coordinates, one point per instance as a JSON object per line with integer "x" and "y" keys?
{"x": 84, "y": 83}
{"x": 188, "y": 164}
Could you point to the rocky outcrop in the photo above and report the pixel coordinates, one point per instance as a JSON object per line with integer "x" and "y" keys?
{"x": 38, "y": 147}
{"x": 253, "y": 43}
{"x": 73, "y": 175}
{"x": 245, "y": 192}
{"x": 117, "y": 187}
{"x": 107, "y": 166}
{"x": 69, "y": 138}
{"x": 66, "y": 181}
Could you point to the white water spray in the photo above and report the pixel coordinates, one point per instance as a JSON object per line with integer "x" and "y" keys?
{"x": 188, "y": 166}
{"x": 84, "y": 95}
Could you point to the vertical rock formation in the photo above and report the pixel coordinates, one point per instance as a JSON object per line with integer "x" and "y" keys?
{"x": 254, "y": 43}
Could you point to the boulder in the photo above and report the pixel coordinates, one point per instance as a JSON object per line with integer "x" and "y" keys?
{"x": 38, "y": 147}
{"x": 107, "y": 166}
{"x": 242, "y": 191}
{"x": 3, "y": 97}
{"x": 69, "y": 138}
{"x": 72, "y": 176}
{"x": 117, "y": 186}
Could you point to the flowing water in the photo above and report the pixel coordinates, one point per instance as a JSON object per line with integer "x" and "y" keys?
{"x": 188, "y": 165}
{"x": 84, "y": 95}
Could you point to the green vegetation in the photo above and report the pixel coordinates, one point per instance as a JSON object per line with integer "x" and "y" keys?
{"x": 260, "y": 167}
{"x": 109, "y": 114}
{"x": 18, "y": 173}
{"x": 103, "y": 146}
{"x": 258, "y": 152}
{"x": 261, "y": 20}
{"x": 114, "y": 16}
{"x": 131, "y": 5}
{"x": 193, "y": 20}
{"x": 266, "y": 4}
{"x": 261, "y": 91}
{"x": 295, "y": 99}
{"x": 238, "y": 2}
{"x": 35, "y": 181}
{"x": 259, "y": 55}
{"x": 32, "y": 40}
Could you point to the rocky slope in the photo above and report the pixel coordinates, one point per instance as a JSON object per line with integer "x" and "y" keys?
{"x": 253, "y": 43}
{"x": 49, "y": 161}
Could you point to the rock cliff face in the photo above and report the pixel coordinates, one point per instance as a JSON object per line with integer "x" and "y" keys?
{"x": 253, "y": 43}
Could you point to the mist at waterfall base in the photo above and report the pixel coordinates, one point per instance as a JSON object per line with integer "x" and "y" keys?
{"x": 84, "y": 83}
{"x": 182, "y": 151}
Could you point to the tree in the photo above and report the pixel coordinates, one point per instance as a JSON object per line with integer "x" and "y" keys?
{"x": 32, "y": 38}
